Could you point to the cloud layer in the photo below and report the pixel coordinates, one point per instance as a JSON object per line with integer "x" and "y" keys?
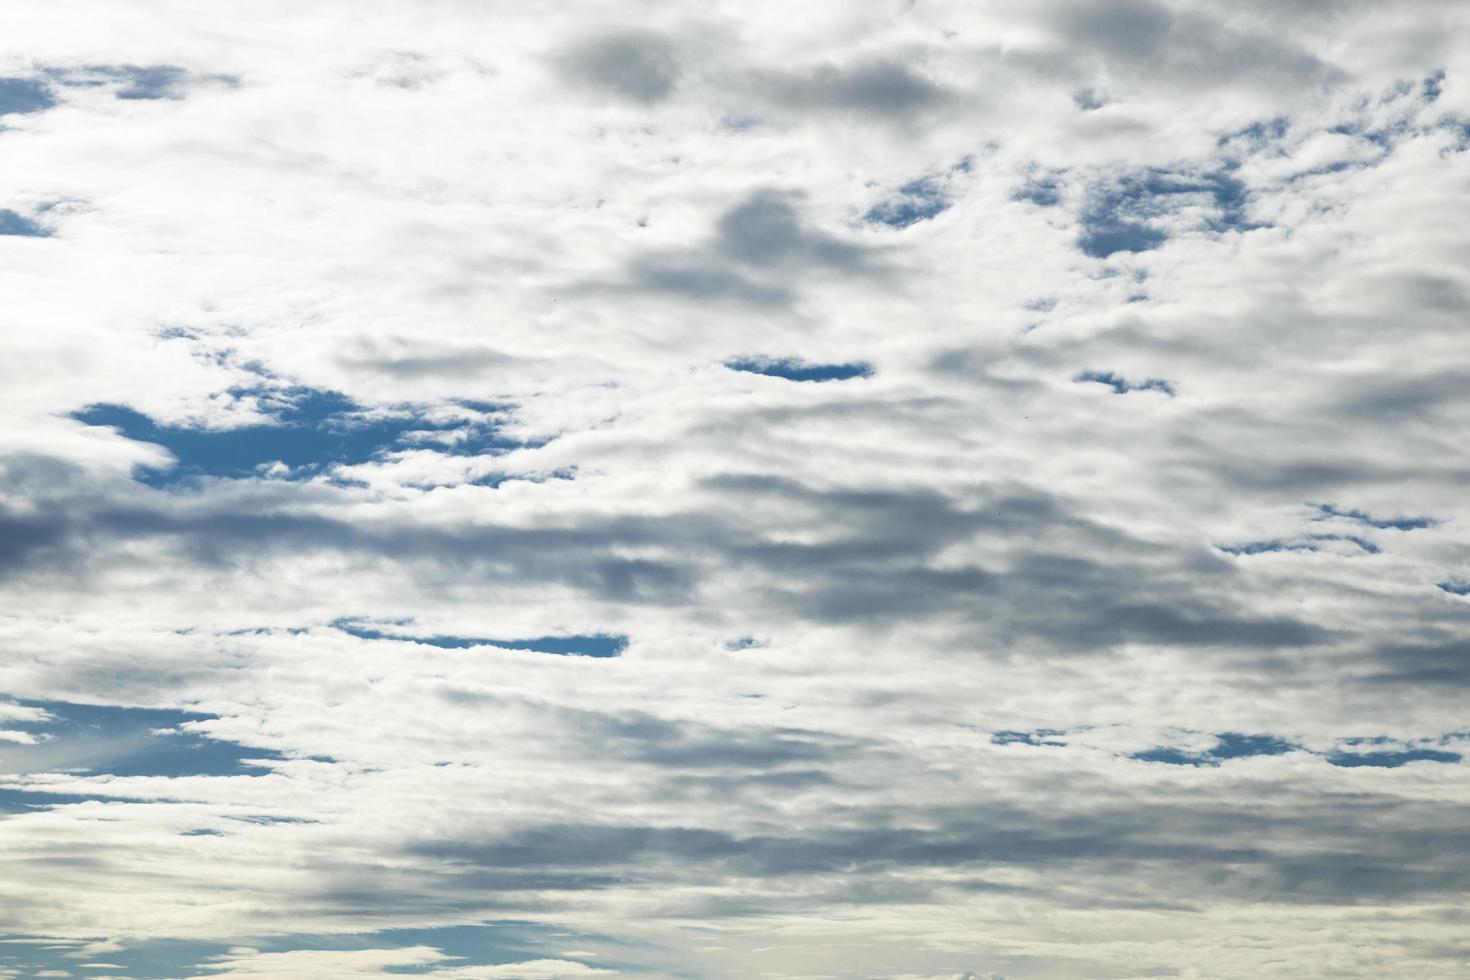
{"x": 918, "y": 490}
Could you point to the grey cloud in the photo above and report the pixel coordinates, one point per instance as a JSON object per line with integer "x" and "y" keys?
{"x": 759, "y": 250}
{"x": 413, "y": 360}
{"x": 1185, "y": 46}
{"x": 1332, "y": 851}
{"x": 765, "y": 231}
{"x": 881, "y": 88}
{"x": 875, "y": 566}
{"x": 636, "y": 66}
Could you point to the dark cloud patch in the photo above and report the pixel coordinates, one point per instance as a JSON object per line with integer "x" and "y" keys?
{"x": 1432, "y": 663}
{"x": 880, "y": 88}
{"x": 795, "y": 369}
{"x": 1122, "y": 386}
{"x": 765, "y": 231}
{"x": 1337, "y": 850}
{"x": 414, "y": 360}
{"x": 634, "y": 66}
{"x": 873, "y": 567}
{"x": 873, "y": 563}
{"x": 25, "y": 534}
{"x": 677, "y": 274}
{"x": 645, "y": 738}
{"x": 760, "y": 249}
{"x": 309, "y": 430}
{"x": 24, "y": 95}
{"x": 1188, "y": 47}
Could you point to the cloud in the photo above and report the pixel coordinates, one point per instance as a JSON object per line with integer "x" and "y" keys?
{"x": 882, "y": 88}
{"x": 640, "y": 67}
{"x": 869, "y": 490}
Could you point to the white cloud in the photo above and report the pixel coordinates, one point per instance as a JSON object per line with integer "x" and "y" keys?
{"x": 981, "y": 587}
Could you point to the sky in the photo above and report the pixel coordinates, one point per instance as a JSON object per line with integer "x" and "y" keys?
{"x": 922, "y": 490}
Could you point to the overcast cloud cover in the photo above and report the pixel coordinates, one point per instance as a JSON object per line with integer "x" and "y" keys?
{"x": 877, "y": 489}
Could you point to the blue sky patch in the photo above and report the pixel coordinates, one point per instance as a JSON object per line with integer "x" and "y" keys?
{"x": 600, "y": 645}
{"x": 1041, "y": 736}
{"x": 109, "y": 740}
{"x": 1455, "y": 586}
{"x": 310, "y": 430}
{"x": 794, "y": 369}
{"x": 148, "y": 82}
{"x": 1259, "y": 136}
{"x": 1433, "y": 86}
{"x": 1228, "y": 745}
{"x": 23, "y": 95}
{"x": 1045, "y": 192}
{"x": 14, "y": 223}
{"x": 1235, "y": 745}
{"x": 146, "y": 959}
{"x": 1088, "y": 99}
{"x": 1122, "y": 386}
{"x": 1391, "y": 759}
{"x": 1310, "y": 542}
{"x": 1121, "y": 216}
{"x": 1396, "y": 523}
{"x": 915, "y": 201}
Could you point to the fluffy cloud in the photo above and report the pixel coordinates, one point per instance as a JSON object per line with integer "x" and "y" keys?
{"x": 919, "y": 490}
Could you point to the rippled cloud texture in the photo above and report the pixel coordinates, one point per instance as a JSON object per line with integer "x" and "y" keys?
{"x": 923, "y": 490}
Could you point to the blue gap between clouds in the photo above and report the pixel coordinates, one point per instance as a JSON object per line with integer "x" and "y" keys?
{"x": 17, "y": 224}
{"x": 1041, "y": 736}
{"x": 1229, "y": 745}
{"x": 918, "y": 200}
{"x": 485, "y": 944}
{"x": 148, "y": 959}
{"x": 794, "y": 369}
{"x": 133, "y": 82}
{"x": 1118, "y": 215}
{"x": 1043, "y": 191}
{"x": 1234, "y": 745}
{"x": 1397, "y": 523}
{"x": 1122, "y": 386}
{"x": 601, "y": 645}
{"x": 1391, "y": 760}
{"x": 99, "y": 740}
{"x": 310, "y": 429}
{"x": 23, "y": 95}
{"x": 1310, "y": 542}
